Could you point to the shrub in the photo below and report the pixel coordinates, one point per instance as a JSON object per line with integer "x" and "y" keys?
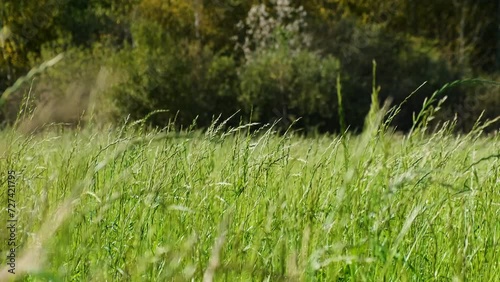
{"x": 279, "y": 84}
{"x": 403, "y": 64}
{"x": 185, "y": 78}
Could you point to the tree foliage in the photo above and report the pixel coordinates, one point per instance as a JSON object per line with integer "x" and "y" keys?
{"x": 275, "y": 59}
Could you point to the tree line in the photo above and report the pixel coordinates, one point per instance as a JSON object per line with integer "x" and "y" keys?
{"x": 282, "y": 60}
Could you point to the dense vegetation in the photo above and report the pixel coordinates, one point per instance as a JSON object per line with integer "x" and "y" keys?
{"x": 129, "y": 204}
{"x": 265, "y": 60}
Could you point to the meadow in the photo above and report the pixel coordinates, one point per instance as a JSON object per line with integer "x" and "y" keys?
{"x": 247, "y": 204}
{"x": 396, "y": 194}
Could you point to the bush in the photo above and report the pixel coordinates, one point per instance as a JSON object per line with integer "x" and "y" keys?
{"x": 403, "y": 64}
{"x": 280, "y": 84}
{"x": 188, "y": 80}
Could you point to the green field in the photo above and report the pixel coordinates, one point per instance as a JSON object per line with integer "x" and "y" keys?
{"x": 128, "y": 204}
{"x": 355, "y": 140}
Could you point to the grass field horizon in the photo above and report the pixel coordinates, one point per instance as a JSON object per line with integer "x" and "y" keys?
{"x": 240, "y": 204}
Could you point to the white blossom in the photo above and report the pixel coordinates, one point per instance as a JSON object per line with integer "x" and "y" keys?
{"x": 262, "y": 23}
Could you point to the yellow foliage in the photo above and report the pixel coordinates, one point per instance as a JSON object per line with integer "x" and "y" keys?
{"x": 174, "y": 14}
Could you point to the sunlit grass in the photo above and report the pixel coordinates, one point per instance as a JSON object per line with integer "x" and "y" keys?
{"x": 133, "y": 205}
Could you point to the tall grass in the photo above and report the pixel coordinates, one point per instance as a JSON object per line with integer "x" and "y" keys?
{"x": 130, "y": 204}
